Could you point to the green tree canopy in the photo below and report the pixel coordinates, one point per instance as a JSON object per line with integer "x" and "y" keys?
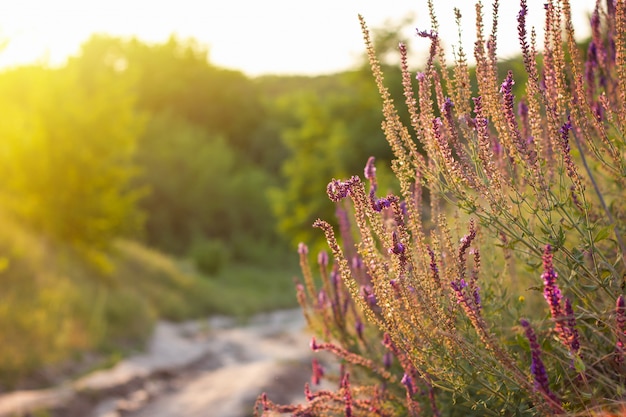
{"x": 66, "y": 153}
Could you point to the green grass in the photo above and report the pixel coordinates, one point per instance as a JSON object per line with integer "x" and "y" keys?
{"x": 57, "y": 303}
{"x": 244, "y": 290}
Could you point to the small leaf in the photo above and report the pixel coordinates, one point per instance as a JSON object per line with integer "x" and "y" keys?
{"x": 602, "y": 234}
{"x": 579, "y": 365}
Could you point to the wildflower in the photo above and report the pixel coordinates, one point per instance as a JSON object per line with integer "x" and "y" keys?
{"x": 398, "y": 248}
{"x": 551, "y": 291}
{"x": 338, "y": 190}
{"x": 521, "y": 28}
{"x": 378, "y": 204}
{"x": 407, "y": 381}
{"x": 537, "y": 367}
{"x": 434, "y": 269}
{"x": 447, "y": 108}
{"x": 303, "y": 249}
{"x": 522, "y": 111}
{"x": 370, "y": 169}
{"x": 317, "y": 372}
{"x": 322, "y": 259}
{"x": 387, "y": 359}
{"x": 347, "y": 396}
{"x": 571, "y": 333}
{"x": 358, "y": 326}
{"x": 369, "y": 296}
{"x": 466, "y": 241}
{"x": 485, "y": 152}
{"x": 322, "y": 299}
{"x": 521, "y": 146}
{"x": 314, "y": 346}
{"x": 566, "y": 150}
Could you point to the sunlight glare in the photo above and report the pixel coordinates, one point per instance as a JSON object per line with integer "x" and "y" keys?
{"x": 274, "y": 36}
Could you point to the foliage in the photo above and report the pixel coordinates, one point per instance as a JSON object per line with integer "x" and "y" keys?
{"x": 199, "y": 187}
{"x": 331, "y": 133}
{"x": 208, "y": 153}
{"x": 505, "y": 294}
{"x": 177, "y": 77}
{"x": 55, "y": 321}
{"x": 50, "y": 314}
{"x": 209, "y": 256}
{"x": 66, "y": 154}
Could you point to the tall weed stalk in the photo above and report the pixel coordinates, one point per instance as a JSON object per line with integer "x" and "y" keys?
{"x": 493, "y": 282}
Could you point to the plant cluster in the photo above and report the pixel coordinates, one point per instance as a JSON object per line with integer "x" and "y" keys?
{"x": 493, "y": 282}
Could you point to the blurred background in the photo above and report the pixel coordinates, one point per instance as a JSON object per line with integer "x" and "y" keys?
{"x": 161, "y": 160}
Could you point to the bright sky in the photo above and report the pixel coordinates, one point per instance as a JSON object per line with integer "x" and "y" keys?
{"x": 257, "y": 37}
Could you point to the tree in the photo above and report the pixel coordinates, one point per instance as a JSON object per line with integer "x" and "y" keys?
{"x": 65, "y": 157}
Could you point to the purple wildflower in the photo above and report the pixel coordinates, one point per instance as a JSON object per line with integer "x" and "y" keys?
{"x": 317, "y": 372}
{"x": 564, "y": 320}
{"x": 404, "y": 210}
{"x": 590, "y": 69}
{"x": 369, "y": 296}
{"x": 458, "y": 285}
{"x": 537, "y": 367}
{"x": 322, "y": 299}
{"x": 334, "y": 277}
{"x": 466, "y": 241}
{"x": 370, "y": 169}
{"x": 387, "y": 342}
{"x": 338, "y": 190}
{"x": 571, "y": 333}
{"x": 521, "y": 28}
{"x": 566, "y": 150}
{"x": 551, "y": 291}
{"x": 303, "y": 249}
{"x": 407, "y": 381}
{"x": 307, "y": 392}
{"x": 506, "y": 87}
{"x": 398, "y": 248}
{"x": 347, "y": 395}
{"x": 447, "y": 110}
{"x": 378, "y": 204}
{"x": 314, "y": 346}
{"x": 575, "y": 199}
{"x": 477, "y": 300}
{"x": 610, "y": 7}
{"x": 522, "y": 111}
{"x": 434, "y": 269}
{"x": 426, "y": 33}
{"x": 322, "y": 259}
{"x": 358, "y": 326}
{"x": 387, "y": 359}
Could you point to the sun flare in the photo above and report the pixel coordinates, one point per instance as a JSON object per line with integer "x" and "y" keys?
{"x": 275, "y": 36}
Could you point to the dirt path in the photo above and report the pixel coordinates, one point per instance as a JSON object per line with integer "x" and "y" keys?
{"x": 203, "y": 368}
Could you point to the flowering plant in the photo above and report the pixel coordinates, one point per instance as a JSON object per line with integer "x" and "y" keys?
{"x": 493, "y": 282}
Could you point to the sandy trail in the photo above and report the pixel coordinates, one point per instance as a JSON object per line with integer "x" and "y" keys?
{"x": 212, "y": 367}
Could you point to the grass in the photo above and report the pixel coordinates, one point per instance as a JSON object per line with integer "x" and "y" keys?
{"x": 245, "y": 290}
{"x": 62, "y": 312}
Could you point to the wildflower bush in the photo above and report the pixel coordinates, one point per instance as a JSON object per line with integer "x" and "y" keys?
{"x": 493, "y": 282}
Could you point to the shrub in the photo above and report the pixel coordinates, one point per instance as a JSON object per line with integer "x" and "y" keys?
{"x": 210, "y": 255}
{"x": 505, "y": 294}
